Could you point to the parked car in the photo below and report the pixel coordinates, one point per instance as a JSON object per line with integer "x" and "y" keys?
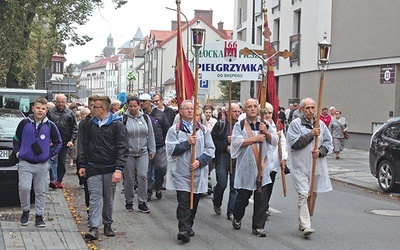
{"x": 384, "y": 154}
{"x": 9, "y": 120}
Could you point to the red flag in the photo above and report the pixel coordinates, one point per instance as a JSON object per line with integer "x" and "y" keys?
{"x": 184, "y": 81}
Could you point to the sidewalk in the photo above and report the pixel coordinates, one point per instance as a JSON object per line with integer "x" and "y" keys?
{"x": 61, "y": 231}
{"x": 353, "y": 168}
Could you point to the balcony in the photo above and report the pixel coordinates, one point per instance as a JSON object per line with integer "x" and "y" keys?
{"x": 295, "y": 49}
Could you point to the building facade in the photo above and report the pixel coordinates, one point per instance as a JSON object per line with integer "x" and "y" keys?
{"x": 360, "y": 80}
{"x": 150, "y": 59}
{"x": 161, "y": 53}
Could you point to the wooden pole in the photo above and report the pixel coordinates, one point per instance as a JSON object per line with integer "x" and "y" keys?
{"x": 230, "y": 122}
{"x": 311, "y": 199}
{"x": 196, "y": 87}
{"x": 280, "y": 160}
{"x": 263, "y": 97}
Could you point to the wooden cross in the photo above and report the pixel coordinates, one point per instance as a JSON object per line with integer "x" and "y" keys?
{"x": 270, "y": 53}
{"x": 265, "y": 55}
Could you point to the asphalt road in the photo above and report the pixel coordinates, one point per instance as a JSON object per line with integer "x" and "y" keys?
{"x": 343, "y": 219}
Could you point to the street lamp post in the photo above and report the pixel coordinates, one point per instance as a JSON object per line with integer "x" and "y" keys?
{"x": 187, "y": 32}
{"x": 198, "y": 35}
{"x": 324, "y": 52}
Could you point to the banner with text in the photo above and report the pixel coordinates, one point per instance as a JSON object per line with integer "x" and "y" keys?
{"x": 223, "y": 61}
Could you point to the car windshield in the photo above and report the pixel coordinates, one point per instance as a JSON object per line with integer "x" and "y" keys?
{"x": 9, "y": 120}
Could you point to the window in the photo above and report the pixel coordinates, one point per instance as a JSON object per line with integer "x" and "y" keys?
{"x": 393, "y": 131}
{"x": 295, "y": 49}
{"x": 277, "y": 85}
{"x": 297, "y": 21}
{"x": 295, "y": 38}
{"x": 260, "y": 36}
{"x": 276, "y": 5}
{"x": 296, "y": 86}
{"x": 275, "y": 39}
{"x": 258, "y": 7}
{"x": 240, "y": 19}
{"x": 57, "y": 67}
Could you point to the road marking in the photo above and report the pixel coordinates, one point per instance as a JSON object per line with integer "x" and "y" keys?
{"x": 271, "y": 209}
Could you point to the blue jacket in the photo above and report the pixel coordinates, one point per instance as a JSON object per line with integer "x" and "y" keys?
{"x": 46, "y": 134}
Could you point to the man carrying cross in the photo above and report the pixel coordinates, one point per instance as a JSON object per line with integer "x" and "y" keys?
{"x": 248, "y": 137}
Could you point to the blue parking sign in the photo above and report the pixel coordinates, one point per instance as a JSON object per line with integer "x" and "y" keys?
{"x": 203, "y": 84}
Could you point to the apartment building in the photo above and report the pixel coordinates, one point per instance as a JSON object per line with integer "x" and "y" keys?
{"x": 361, "y": 79}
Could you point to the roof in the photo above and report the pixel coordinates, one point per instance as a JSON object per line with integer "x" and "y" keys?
{"x": 191, "y": 22}
{"x": 57, "y": 57}
{"x": 161, "y": 35}
{"x": 228, "y": 33}
{"x": 102, "y": 62}
{"x": 138, "y": 35}
{"x": 128, "y": 52}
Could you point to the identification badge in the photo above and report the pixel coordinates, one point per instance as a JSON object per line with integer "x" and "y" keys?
{"x": 140, "y": 122}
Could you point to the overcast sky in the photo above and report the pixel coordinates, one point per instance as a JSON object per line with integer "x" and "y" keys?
{"x": 146, "y": 15}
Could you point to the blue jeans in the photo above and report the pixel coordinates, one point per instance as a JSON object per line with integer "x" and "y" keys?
{"x": 53, "y": 168}
{"x": 57, "y": 165}
{"x": 222, "y": 173}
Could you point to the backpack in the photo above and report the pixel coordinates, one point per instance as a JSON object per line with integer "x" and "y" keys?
{"x": 242, "y": 124}
{"x": 222, "y": 124}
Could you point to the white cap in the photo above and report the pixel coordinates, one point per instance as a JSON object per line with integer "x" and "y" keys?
{"x": 332, "y": 108}
{"x": 145, "y": 97}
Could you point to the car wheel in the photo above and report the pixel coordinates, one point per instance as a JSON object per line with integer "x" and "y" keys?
{"x": 386, "y": 176}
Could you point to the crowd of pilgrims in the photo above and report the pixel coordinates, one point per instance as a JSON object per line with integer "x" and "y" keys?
{"x": 159, "y": 135}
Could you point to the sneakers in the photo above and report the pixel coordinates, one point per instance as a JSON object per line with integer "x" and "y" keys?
{"x": 307, "y": 232}
{"x": 143, "y": 208}
{"x": 59, "y": 185}
{"x": 129, "y": 207}
{"x": 39, "y": 221}
{"x": 260, "y": 232}
{"x": 25, "y": 218}
{"x": 108, "y": 230}
{"x": 236, "y": 224}
{"x": 158, "y": 194}
{"x": 93, "y": 234}
{"x": 53, "y": 185}
{"x": 268, "y": 214}
{"x": 217, "y": 210}
{"x": 230, "y": 217}
{"x": 184, "y": 236}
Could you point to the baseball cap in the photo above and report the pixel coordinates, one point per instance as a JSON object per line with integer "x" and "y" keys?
{"x": 145, "y": 97}
{"x": 332, "y": 108}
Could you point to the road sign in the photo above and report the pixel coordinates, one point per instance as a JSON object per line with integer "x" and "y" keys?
{"x": 204, "y": 87}
{"x": 222, "y": 60}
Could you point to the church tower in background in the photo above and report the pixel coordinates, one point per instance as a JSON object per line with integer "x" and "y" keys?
{"x": 109, "y": 50}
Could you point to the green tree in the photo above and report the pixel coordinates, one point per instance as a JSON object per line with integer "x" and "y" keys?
{"x": 31, "y": 31}
{"x": 224, "y": 87}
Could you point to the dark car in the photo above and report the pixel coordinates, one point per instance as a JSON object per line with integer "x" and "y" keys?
{"x": 9, "y": 120}
{"x": 384, "y": 154}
